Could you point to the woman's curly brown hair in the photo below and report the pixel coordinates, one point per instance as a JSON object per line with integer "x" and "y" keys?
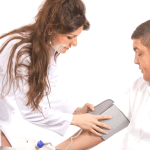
{"x": 55, "y": 17}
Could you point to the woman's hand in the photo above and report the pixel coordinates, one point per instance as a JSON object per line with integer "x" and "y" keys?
{"x": 90, "y": 123}
{"x": 84, "y": 109}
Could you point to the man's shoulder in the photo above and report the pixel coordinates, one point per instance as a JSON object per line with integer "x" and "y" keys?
{"x": 139, "y": 84}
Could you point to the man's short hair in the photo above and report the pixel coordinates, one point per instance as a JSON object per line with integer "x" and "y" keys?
{"x": 142, "y": 32}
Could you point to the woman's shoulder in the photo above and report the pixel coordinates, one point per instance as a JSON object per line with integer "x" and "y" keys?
{"x": 12, "y": 41}
{"x": 9, "y": 46}
{"x": 6, "y": 52}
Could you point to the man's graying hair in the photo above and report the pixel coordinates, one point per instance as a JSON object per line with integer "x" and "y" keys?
{"x": 142, "y": 32}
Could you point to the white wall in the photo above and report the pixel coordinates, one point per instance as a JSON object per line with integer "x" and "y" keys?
{"x": 101, "y": 66}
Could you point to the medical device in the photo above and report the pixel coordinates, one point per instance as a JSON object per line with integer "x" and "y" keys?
{"x": 118, "y": 122}
{"x": 29, "y": 144}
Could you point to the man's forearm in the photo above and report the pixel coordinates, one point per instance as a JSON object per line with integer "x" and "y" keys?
{"x": 85, "y": 140}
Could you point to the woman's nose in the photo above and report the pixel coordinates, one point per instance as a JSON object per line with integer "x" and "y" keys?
{"x": 74, "y": 42}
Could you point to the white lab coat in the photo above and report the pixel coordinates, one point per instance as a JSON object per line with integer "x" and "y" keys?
{"x": 57, "y": 118}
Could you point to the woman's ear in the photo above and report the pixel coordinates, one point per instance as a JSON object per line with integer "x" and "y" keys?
{"x": 49, "y": 33}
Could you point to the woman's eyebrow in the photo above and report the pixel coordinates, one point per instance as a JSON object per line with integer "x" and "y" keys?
{"x": 72, "y": 34}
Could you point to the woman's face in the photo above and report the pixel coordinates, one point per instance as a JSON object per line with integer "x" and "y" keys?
{"x": 62, "y": 42}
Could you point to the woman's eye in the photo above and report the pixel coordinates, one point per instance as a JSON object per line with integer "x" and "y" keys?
{"x": 139, "y": 54}
{"x": 69, "y": 37}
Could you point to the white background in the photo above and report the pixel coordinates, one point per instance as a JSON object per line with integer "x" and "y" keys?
{"x": 100, "y": 67}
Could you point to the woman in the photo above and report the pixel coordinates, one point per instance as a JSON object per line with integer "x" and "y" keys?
{"x": 28, "y": 71}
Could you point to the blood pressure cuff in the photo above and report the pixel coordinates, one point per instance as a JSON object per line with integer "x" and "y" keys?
{"x": 118, "y": 122}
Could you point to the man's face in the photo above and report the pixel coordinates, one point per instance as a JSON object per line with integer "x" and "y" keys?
{"x": 142, "y": 58}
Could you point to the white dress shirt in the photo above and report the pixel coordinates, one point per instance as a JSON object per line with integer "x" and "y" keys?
{"x": 135, "y": 104}
{"x": 57, "y": 117}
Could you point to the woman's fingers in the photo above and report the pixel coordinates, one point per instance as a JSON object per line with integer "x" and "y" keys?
{"x": 95, "y": 132}
{"x": 102, "y": 117}
{"x": 91, "y": 123}
{"x": 101, "y": 124}
{"x": 87, "y": 107}
{"x": 98, "y": 129}
{"x": 90, "y": 106}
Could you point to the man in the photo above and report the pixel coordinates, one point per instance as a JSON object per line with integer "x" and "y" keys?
{"x": 138, "y": 131}
{"x": 136, "y": 100}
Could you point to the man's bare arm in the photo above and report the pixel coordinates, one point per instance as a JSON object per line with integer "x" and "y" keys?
{"x": 85, "y": 140}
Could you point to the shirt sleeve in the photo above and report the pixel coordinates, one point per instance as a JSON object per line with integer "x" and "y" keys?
{"x": 56, "y": 112}
{"x": 127, "y": 101}
{"x": 50, "y": 119}
{"x": 122, "y": 101}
